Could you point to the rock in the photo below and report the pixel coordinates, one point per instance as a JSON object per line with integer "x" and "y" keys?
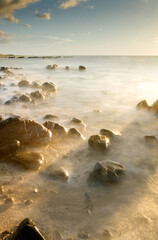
{"x": 67, "y": 68}
{"x": 35, "y": 85}
{"x": 107, "y": 234}
{"x": 82, "y": 68}
{"x": 29, "y": 160}
{"x": 98, "y": 142}
{"x": 151, "y": 140}
{"x": 1, "y": 118}
{"x": 56, "y": 129}
{"x": 52, "y": 67}
{"x": 9, "y": 201}
{"x": 23, "y": 83}
{"x": 143, "y": 105}
{"x": 78, "y": 121}
{"x": 9, "y": 148}
{"x": 154, "y": 107}
{"x": 24, "y": 98}
{"x": 37, "y": 95}
{"x": 28, "y": 132}
{"x": 107, "y": 172}
{"x": 28, "y": 202}
{"x": 1, "y": 189}
{"x": 6, "y": 70}
{"x": 50, "y": 125}
{"x": 83, "y": 234}
{"x": 109, "y": 134}
{"x": 27, "y": 231}
{"x": 50, "y": 116}
{"x": 14, "y": 99}
{"x": 49, "y": 87}
{"x": 74, "y": 133}
{"x": 57, "y": 173}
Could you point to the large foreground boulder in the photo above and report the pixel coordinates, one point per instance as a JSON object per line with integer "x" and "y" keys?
{"x": 9, "y": 148}
{"x": 28, "y": 132}
{"x": 98, "y": 142}
{"x": 27, "y": 231}
{"x": 107, "y": 172}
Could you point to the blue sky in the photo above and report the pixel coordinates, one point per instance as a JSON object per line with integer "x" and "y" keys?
{"x": 79, "y": 27}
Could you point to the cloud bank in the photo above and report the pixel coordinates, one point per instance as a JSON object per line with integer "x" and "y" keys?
{"x": 5, "y": 37}
{"x": 7, "y": 8}
{"x": 27, "y": 25}
{"x": 71, "y": 3}
{"x": 44, "y": 16}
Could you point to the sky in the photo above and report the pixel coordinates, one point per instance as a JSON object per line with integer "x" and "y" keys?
{"x": 79, "y": 27}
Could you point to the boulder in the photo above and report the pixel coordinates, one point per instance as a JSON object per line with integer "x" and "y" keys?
{"x": 154, "y": 107}
{"x": 27, "y": 231}
{"x": 24, "y": 98}
{"x": 151, "y": 140}
{"x": 109, "y": 134}
{"x": 36, "y": 95}
{"x": 74, "y": 133}
{"x": 49, "y": 87}
{"x": 29, "y": 160}
{"x": 82, "y": 68}
{"x": 50, "y": 116}
{"x": 52, "y": 67}
{"x": 14, "y": 99}
{"x": 77, "y": 121}
{"x": 56, "y": 129}
{"x": 98, "y": 142}
{"x": 9, "y": 148}
{"x": 28, "y": 132}
{"x": 35, "y": 85}
{"x": 107, "y": 172}
{"x": 23, "y": 83}
{"x": 143, "y": 105}
{"x": 67, "y": 68}
{"x": 57, "y": 173}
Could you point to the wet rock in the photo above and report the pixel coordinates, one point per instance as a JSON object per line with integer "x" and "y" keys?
{"x": 151, "y": 140}
{"x": 50, "y": 116}
{"x": 154, "y": 107}
{"x": 143, "y": 105}
{"x": 35, "y": 85}
{"x": 50, "y": 125}
{"x": 82, "y": 68}
{"x": 109, "y": 134}
{"x": 28, "y": 132}
{"x": 29, "y": 160}
{"x": 107, "y": 172}
{"x": 9, "y": 148}
{"x": 49, "y": 87}
{"x": 52, "y": 67}
{"x": 56, "y": 129}
{"x": 14, "y": 99}
{"x": 74, "y": 133}
{"x": 37, "y": 95}
{"x": 27, "y": 231}
{"x": 67, "y": 68}
{"x": 24, "y": 98}
{"x": 98, "y": 142}
{"x": 57, "y": 173}
{"x": 23, "y": 83}
{"x": 78, "y": 121}
{"x": 9, "y": 201}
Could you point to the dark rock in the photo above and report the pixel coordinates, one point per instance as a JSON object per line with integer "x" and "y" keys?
{"x": 143, "y": 105}
{"x": 74, "y": 133}
{"x": 82, "y": 68}
{"x": 57, "y": 173}
{"x": 56, "y": 129}
{"x": 14, "y": 99}
{"x": 27, "y": 231}
{"x": 23, "y": 83}
{"x": 151, "y": 140}
{"x": 98, "y": 142}
{"x": 9, "y": 148}
{"x": 109, "y": 134}
{"x": 37, "y": 95}
{"x": 9, "y": 201}
{"x": 154, "y": 107}
{"x": 29, "y": 160}
{"x": 24, "y": 98}
{"x": 50, "y": 125}
{"x": 50, "y": 116}
{"x": 67, "y": 68}
{"x": 52, "y": 67}
{"x": 107, "y": 172}
{"x": 28, "y": 132}
{"x": 49, "y": 87}
{"x": 35, "y": 85}
{"x": 78, "y": 121}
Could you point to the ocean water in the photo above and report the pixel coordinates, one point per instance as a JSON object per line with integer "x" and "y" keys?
{"x": 103, "y": 96}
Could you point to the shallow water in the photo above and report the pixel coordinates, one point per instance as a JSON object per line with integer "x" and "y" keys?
{"x": 113, "y": 85}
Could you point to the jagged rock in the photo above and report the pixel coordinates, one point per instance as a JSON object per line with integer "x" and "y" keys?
{"x": 57, "y": 173}
{"x": 49, "y": 87}
{"x": 9, "y": 148}
{"x": 98, "y": 142}
{"x": 37, "y": 95}
{"x": 107, "y": 172}
{"x": 74, "y": 133}
{"x": 23, "y": 83}
{"x": 28, "y": 132}
{"x": 24, "y": 98}
{"x": 82, "y": 68}
{"x": 50, "y": 116}
{"x": 27, "y": 230}
{"x": 78, "y": 121}
{"x": 143, "y": 105}
{"x": 29, "y": 160}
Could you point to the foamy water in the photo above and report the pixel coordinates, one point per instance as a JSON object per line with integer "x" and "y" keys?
{"x": 103, "y": 96}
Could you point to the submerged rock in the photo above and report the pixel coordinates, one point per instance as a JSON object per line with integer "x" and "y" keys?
{"x": 82, "y": 68}
{"x": 37, "y": 95}
{"x": 9, "y": 148}
{"x": 35, "y": 85}
{"x": 74, "y": 133}
{"x": 67, "y": 68}
{"x": 24, "y": 98}
{"x": 28, "y": 132}
{"x": 27, "y": 230}
{"x": 151, "y": 140}
{"x": 78, "y": 121}
{"x": 29, "y": 160}
{"x": 49, "y": 87}
{"x": 56, "y": 129}
{"x": 23, "y": 83}
{"x": 57, "y": 173}
{"x": 98, "y": 142}
{"x": 107, "y": 171}
{"x": 143, "y": 105}
{"x": 50, "y": 116}
{"x": 52, "y": 67}
{"x": 109, "y": 134}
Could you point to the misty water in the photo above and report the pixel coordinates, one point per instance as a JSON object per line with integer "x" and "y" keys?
{"x": 103, "y": 96}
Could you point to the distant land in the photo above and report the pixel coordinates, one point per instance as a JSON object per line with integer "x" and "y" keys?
{"x": 22, "y": 56}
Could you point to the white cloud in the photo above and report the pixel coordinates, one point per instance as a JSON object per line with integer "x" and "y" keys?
{"x": 71, "y": 3}
{"x": 7, "y": 8}
{"x": 27, "y": 25}
{"x": 44, "y": 16}
{"x": 5, "y": 37}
